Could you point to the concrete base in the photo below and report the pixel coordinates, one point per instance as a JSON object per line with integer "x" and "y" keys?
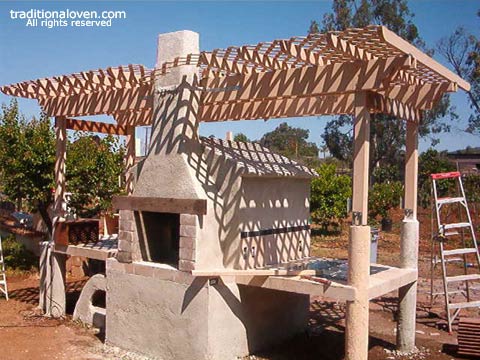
{"x": 85, "y": 311}
{"x": 52, "y": 281}
{"x": 166, "y": 313}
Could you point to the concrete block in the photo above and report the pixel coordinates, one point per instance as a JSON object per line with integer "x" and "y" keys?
{"x": 124, "y": 245}
{"x": 126, "y": 225}
{"x": 188, "y": 219}
{"x": 126, "y": 215}
{"x": 186, "y": 265}
{"x": 187, "y": 242}
{"x": 143, "y": 269}
{"x": 124, "y": 256}
{"x": 187, "y": 254}
{"x": 125, "y": 235}
{"x": 188, "y": 231}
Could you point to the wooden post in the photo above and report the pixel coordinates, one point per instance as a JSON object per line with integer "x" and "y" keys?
{"x": 411, "y": 169}
{"x": 53, "y": 265}
{"x": 356, "y": 336}
{"x": 130, "y": 159}
{"x": 409, "y": 244}
{"x": 60, "y": 159}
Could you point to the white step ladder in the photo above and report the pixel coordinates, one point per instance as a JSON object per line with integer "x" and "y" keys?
{"x": 3, "y": 276}
{"x": 443, "y": 232}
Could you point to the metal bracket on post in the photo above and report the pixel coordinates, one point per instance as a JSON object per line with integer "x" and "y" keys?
{"x": 408, "y": 214}
{"x": 357, "y": 218}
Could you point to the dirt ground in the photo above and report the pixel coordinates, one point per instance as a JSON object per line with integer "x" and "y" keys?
{"x": 25, "y": 334}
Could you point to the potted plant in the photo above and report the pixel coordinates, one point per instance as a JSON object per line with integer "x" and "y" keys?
{"x": 383, "y": 197}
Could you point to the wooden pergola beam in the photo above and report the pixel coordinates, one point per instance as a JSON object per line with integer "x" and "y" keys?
{"x": 97, "y": 103}
{"x": 278, "y": 108}
{"x": 313, "y": 80}
{"x": 95, "y": 126}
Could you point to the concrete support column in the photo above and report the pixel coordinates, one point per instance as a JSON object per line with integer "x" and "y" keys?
{"x": 356, "y": 335}
{"x": 409, "y": 244}
{"x": 407, "y": 295}
{"x": 52, "y": 281}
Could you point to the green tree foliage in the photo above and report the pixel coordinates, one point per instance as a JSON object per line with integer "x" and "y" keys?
{"x": 462, "y": 51}
{"x": 241, "y": 137}
{"x": 17, "y": 256}
{"x": 93, "y": 171}
{"x": 471, "y": 184}
{"x": 432, "y": 162}
{"x": 27, "y": 158}
{"x": 290, "y": 142}
{"x": 384, "y": 196}
{"x": 329, "y": 195}
{"x": 387, "y": 133}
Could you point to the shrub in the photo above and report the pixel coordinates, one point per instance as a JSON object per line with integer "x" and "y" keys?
{"x": 16, "y": 256}
{"x": 471, "y": 185}
{"x": 432, "y": 162}
{"x": 383, "y": 197}
{"x": 329, "y": 195}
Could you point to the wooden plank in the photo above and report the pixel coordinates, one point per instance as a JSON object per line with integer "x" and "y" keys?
{"x": 164, "y": 205}
{"x": 95, "y": 126}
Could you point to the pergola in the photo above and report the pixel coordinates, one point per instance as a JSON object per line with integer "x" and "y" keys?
{"x": 355, "y": 72}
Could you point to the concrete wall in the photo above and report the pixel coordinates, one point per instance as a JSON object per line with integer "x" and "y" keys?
{"x": 168, "y": 314}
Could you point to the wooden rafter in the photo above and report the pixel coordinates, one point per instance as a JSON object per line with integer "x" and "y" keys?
{"x": 95, "y": 126}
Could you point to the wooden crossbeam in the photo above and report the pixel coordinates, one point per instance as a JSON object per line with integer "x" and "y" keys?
{"x": 95, "y": 126}
{"x": 421, "y": 97}
{"x": 96, "y": 103}
{"x": 278, "y": 108}
{"x": 163, "y": 205}
{"x": 313, "y": 81}
{"x": 381, "y": 104}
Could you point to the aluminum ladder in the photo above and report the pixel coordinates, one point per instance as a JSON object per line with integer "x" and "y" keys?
{"x": 441, "y": 232}
{"x": 3, "y": 276}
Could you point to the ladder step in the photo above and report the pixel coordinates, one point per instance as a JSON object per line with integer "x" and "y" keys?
{"x": 464, "y": 305}
{"x": 468, "y": 277}
{"x": 460, "y": 251}
{"x": 456, "y": 225}
{"x": 451, "y": 233}
{"x": 450, "y": 200}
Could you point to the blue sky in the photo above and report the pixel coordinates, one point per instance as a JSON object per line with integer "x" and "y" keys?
{"x": 34, "y": 52}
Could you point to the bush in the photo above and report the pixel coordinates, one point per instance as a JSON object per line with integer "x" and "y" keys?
{"x": 329, "y": 195}
{"x": 384, "y": 196}
{"x": 471, "y": 185}
{"x": 16, "y": 256}
{"x": 432, "y": 162}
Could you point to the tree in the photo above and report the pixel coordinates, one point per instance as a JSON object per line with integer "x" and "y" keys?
{"x": 329, "y": 195}
{"x": 27, "y": 158}
{"x": 387, "y": 132}
{"x": 462, "y": 51}
{"x": 290, "y": 142}
{"x": 241, "y": 137}
{"x": 93, "y": 170}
